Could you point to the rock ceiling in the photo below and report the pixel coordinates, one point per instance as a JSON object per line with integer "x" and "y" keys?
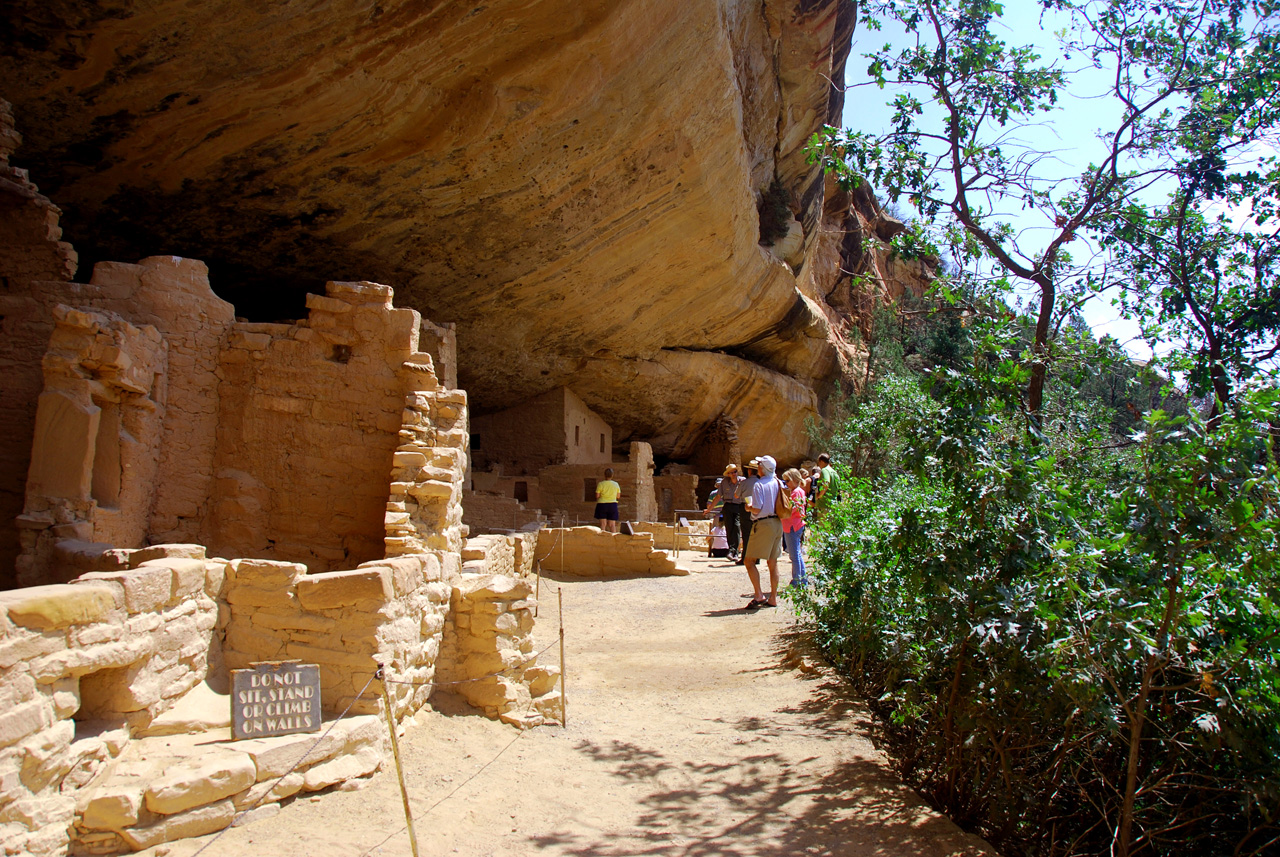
{"x": 573, "y": 182}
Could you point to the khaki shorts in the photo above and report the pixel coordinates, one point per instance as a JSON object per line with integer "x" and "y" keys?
{"x": 766, "y": 539}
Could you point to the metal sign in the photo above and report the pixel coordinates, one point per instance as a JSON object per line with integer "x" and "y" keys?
{"x": 275, "y": 698}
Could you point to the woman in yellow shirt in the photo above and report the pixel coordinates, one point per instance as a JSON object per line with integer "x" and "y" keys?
{"x": 607, "y": 494}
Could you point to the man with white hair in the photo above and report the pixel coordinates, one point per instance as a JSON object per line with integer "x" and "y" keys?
{"x": 766, "y": 533}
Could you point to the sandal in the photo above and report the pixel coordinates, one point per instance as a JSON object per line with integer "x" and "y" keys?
{"x": 755, "y": 605}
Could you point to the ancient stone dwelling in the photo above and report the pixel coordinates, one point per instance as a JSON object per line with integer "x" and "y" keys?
{"x": 186, "y": 494}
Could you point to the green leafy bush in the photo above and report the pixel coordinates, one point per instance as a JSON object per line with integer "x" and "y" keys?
{"x": 1075, "y": 637}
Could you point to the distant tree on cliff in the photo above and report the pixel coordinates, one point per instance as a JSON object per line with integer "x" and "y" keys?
{"x": 1192, "y": 87}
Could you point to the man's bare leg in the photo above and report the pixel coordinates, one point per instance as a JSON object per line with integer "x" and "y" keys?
{"x": 754, "y": 574}
{"x": 773, "y": 581}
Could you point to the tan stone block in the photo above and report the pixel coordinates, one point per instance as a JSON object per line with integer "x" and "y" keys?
{"x": 428, "y": 491}
{"x": 432, "y": 624}
{"x": 147, "y": 589}
{"x": 81, "y": 661}
{"x": 259, "y": 813}
{"x": 495, "y": 588}
{"x": 25, "y": 646}
{"x": 113, "y": 807}
{"x": 501, "y": 623}
{"x": 315, "y": 654}
{"x": 16, "y": 688}
{"x": 489, "y": 693}
{"x": 270, "y": 790}
{"x": 188, "y": 575}
{"x": 62, "y": 450}
{"x": 266, "y": 573}
{"x": 170, "y": 551}
{"x": 409, "y": 459}
{"x": 66, "y": 697}
{"x": 197, "y": 822}
{"x": 59, "y": 605}
{"x": 216, "y": 574}
{"x": 251, "y": 596}
{"x": 143, "y": 623}
{"x": 43, "y": 811}
{"x": 490, "y": 663}
{"x": 361, "y": 763}
{"x": 296, "y": 621}
{"x": 200, "y": 781}
{"x": 254, "y": 643}
{"x": 541, "y": 679}
{"x": 548, "y": 705}
{"x": 337, "y": 589}
{"x": 25, "y": 719}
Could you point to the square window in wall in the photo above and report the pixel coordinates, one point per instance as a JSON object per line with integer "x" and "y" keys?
{"x": 576, "y": 430}
{"x": 521, "y": 492}
{"x": 588, "y": 490}
{"x": 475, "y": 442}
{"x": 602, "y": 443}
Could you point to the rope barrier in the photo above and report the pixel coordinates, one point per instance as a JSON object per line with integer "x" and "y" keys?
{"x": 310, "y": 749}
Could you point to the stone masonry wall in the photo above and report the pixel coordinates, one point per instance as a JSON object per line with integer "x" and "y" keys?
{"x": 390, "y": 612}
{"x": 485, "y": 512}
{"x": 305, "y": 408}
{"x": 563, "y": 487}
{"x": 31, "y": 249}
{"x": 675, "y": 491}
{"x": 81, "y": 666}
{"x": 591, "y": 552}
{"x": 167, "y": 293}
{"x": 97, "y": 434}
{"x": 424, "y": 512}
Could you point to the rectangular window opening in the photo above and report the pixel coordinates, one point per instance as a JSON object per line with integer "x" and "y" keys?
{"x": 589, "y": 490}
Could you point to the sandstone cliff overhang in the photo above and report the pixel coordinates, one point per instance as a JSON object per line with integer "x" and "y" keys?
{"x": 574, "y": 183}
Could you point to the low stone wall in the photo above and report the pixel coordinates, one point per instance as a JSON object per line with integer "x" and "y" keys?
{"x": 592, "y": 552}
{"x": 389, "y": 611}
{"x": 82, "y": 665}
{"x": 691, "y": 538}
{"x": 494, "y": 665}
{"x": 511, "y": 554}
{"x": 486, "y": 512}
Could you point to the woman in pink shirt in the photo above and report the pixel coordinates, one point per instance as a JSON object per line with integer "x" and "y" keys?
{"x": 793, "y": 526}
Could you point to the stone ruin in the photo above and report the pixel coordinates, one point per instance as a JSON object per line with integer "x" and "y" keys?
{"x": 185, "y": 494}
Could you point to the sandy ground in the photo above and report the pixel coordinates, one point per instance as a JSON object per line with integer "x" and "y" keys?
{"x": 695, "y": 728}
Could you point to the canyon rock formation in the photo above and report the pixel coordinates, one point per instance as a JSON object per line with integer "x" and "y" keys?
{"x": 609, "y": 195}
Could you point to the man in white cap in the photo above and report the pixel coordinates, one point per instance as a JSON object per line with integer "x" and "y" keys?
{"x": 766, "y": 533}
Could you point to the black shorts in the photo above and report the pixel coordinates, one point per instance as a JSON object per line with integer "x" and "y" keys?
{"x": 606, "y": 512}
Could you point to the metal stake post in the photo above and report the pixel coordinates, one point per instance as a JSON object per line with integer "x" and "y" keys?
{"x": 564, "y": 718}
{"x": 395, "y": 751}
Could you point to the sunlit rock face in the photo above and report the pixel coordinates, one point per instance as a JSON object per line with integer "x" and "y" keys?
{"x": 576, "y": 183}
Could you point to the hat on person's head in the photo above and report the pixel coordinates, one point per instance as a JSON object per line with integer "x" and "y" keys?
{"x": 755, "y": 462}
{"x": 732, "y": 468}
{"x": 767, "y": 464}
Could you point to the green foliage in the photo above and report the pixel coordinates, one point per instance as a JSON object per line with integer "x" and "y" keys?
{"x": 1193, "y": 84}
{"x": 1076, "y": 641}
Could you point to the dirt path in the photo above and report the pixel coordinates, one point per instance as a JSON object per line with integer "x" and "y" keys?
{"x": 693, "y": 730}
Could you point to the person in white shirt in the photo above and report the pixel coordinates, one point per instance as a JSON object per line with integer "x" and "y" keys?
{"x": 766, "y": 533}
